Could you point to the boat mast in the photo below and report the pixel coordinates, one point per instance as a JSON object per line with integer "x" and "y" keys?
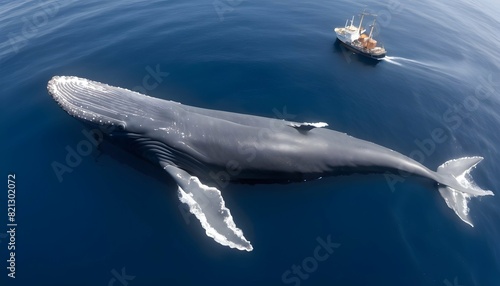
{"x": 346, "y": 21}
{"x": 371, "y": 31}
{"x": 361, "y": 21}
{"x": 352, "y": 20}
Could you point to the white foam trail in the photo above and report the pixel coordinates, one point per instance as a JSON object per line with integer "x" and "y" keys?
{"x": 399, "y": 61}
{"x": 409, "y": 63}
{"x": 391, "y": 60}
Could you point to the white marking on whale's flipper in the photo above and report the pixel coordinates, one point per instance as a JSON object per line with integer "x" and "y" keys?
{"x": 207, "y": 204}
{"x": 462, "y": 187}
{"x": 306, "y": 126}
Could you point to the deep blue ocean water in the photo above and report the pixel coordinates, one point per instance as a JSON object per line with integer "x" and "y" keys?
{"x": 115, "y": 220}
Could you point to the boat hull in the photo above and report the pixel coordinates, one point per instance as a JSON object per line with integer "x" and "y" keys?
{"x": 360, "y": 50}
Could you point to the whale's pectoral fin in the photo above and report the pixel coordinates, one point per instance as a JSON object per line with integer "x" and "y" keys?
{"x": 306, "y": 126}
{"x": 207, "y": 204}
{"x": 457, "y": 185}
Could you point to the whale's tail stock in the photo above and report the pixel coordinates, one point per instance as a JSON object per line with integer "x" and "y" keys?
{"x": 457, "y": 186}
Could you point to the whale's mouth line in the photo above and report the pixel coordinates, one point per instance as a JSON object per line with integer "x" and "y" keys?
{"x": 88, "y": 101}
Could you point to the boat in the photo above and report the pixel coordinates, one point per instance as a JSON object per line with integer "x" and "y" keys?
{"x": 355, "y": 39}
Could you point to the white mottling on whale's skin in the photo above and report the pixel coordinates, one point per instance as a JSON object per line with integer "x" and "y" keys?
{"x": 190, "y": 143}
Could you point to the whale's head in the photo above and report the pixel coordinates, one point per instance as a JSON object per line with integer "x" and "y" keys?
{"x": 97, "y": 103}
{"x": 91, "y": 102}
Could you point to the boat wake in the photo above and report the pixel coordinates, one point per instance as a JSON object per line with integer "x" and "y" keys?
{"x": 441, "y": 68}
{"x": 400, "y": 60}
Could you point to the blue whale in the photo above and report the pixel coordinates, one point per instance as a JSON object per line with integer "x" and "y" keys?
{"x": 195, "y": 145}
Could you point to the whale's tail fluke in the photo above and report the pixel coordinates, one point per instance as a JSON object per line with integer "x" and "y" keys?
{"x": 457, "y": 185}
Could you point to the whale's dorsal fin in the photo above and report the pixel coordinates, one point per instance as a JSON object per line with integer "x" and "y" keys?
{"x": 306, "y": 126}
{"x": 207, "y": 204}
